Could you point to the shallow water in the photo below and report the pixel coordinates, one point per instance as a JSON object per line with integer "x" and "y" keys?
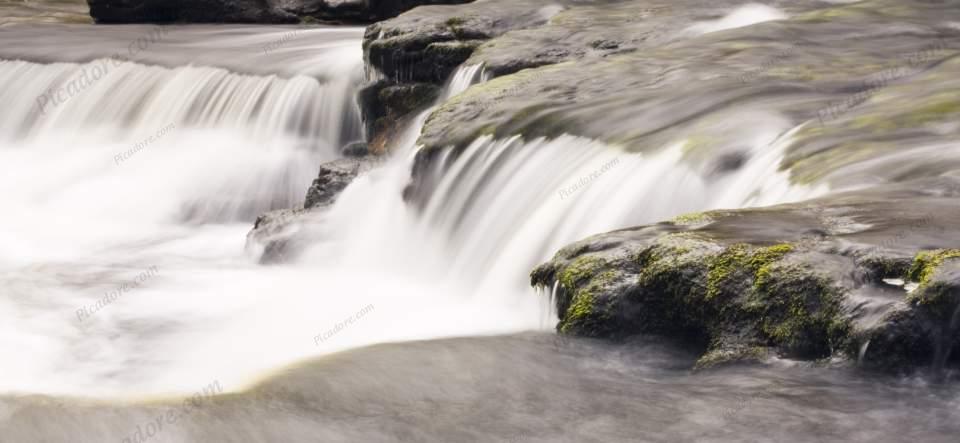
{"x": 523, "y": 388}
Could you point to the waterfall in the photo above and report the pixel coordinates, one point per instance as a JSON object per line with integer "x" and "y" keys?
{"x": 205, "y": 143}
{"x": 454, "y": 265}
{"x": 135, "y": 99}
{"x": 499, "y": 207}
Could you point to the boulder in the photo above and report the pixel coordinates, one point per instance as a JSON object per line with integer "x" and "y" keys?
{"x": 817, "y": 281}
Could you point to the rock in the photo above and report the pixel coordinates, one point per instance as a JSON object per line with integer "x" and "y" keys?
{"x": 277, "y": 236}
{"x": 195, "y": 11}
{"x": 564, "y": 76}
{"x": 806, "y": 281}
{"x": 418, "y": 51}
{"x": 386, "y": 106}
{"x": 251, "y": 11}
{"x": 280, "y": 236}
{"x": 335, "y": 176}
{"x": 355, "y": 149}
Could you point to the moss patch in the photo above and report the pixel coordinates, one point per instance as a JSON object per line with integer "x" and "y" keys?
{"x": 926, "y": 263}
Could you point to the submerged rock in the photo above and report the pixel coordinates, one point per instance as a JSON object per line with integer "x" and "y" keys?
{"x": 251, "y": 11}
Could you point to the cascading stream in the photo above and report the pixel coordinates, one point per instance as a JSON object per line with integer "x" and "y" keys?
{"x": 243, "y": 144}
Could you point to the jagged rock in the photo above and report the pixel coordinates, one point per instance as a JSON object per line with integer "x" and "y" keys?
{"x": 251, "y": 11}
{"x": 806, "y": 281}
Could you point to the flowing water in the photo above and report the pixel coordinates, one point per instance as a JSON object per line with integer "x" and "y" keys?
{"x": 129, "y": 183}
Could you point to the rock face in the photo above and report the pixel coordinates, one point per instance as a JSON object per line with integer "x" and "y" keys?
{"x": 251, "y": 11}
{"x": 858, "y": 276}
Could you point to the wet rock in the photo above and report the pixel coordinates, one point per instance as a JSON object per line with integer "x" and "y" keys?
{"x": 333, "y": 178}
{"x": 807, "y": 281}
{"x": 280, "y": 236}
{"x": 277, "y": 236}
{"x": 424, "y": 48}
{"x": 385, "y": 105}
{"x": 356, "y": 149}
{"x": 662, "y": 83}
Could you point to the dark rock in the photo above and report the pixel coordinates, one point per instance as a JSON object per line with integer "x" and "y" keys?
{"x": 280, "y": 236}
{"x": 334, "y": 177}
{"x": 386, "y": 105}
{"x": 355, "y": 149}
{"x": 251, "y": 11}
{"x": 193, "y": 11}
{"x": 742, "y": 285}
{"x": 424, "y": 48}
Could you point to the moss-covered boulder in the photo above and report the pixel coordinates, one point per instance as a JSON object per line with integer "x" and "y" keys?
{"x": 811, "y": 281}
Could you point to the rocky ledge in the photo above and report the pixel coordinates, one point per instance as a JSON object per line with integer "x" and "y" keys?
{"x": 251, "y": 11}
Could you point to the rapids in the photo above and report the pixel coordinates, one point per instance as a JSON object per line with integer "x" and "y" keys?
{"x": 153, "y": 170}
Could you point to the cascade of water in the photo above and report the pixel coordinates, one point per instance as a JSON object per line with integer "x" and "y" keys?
{"x": 455, "y": 265}
{"x": 135, "y": 99}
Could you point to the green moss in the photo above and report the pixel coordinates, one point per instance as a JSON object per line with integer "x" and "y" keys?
{"x": 720, "y": 357}
{"x": 739, "y": 258}
{"x": 926, "y": 263}
{"x": 579, "y": 312}
{"x": 938, "y": 298}
{"x": 800, "y": 312}
{"x": 695, "y": 218}
{"x": 583, "y": 268}
{"x": 723, "y": 267}
{"x": 763, "y": 258}
{"x": 582, "y": 316}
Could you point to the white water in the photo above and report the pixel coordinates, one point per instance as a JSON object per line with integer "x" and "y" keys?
{"x": 746, "y": 15}
{"x": 79, "y": 225}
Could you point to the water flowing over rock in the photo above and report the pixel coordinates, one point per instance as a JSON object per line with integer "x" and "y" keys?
{"x": 707, "y": 77}
{"x": 279, "y": 236}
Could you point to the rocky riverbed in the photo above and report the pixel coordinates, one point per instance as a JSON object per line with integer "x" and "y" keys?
{"x": 865, "y": 94}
